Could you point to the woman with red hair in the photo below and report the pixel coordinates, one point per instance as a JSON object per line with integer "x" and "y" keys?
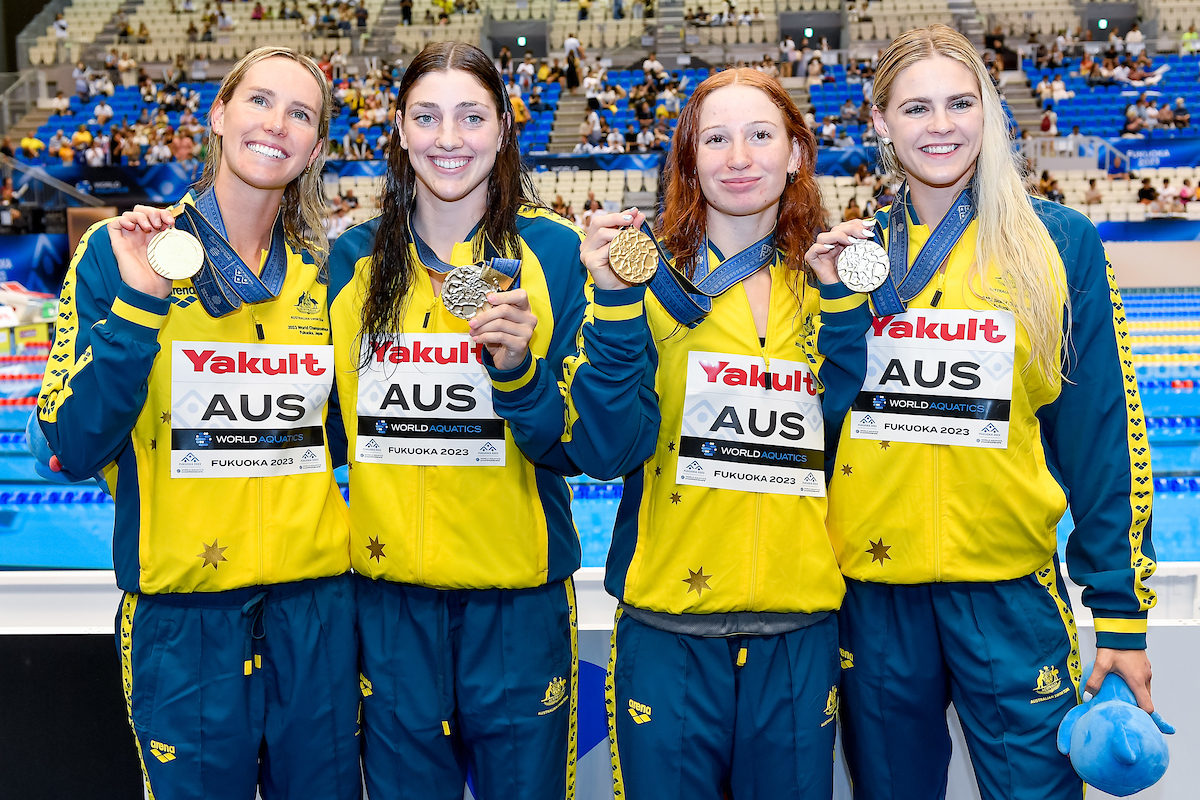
{"x": 724, "y": 666}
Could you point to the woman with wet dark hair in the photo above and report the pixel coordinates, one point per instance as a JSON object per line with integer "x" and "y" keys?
{"x": 452, "y": 313}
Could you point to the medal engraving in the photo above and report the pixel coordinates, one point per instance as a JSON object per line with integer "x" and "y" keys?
{"x": 633, "y": 256}
{"x": 174, "y": 254}
{"x": 863, "y": 266}
{"x": 465, "y": 290}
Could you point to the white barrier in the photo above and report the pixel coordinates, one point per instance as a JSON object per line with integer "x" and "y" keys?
{"x": 73, "y": 602}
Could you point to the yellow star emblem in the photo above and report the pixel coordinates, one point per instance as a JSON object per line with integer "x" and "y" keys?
{"x": 879, "y": 551}
{"x": 697, "y": 581}
{"x": 671, "y": 446}
{"x": 884, "y": 445}
{"x": 212, "y": 554}
{"x": 676, "y": 498}
{"x": 165, "y": 417}
{"x": 376, "y": 549}
{"x": 847, "y": 469}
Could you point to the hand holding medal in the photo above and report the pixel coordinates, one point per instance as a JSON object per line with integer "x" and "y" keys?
{"x": 616, "y": 252}
{"x": 848, "y": 253}
{"x": 138, "y": 243}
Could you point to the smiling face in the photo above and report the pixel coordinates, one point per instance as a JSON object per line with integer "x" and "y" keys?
{"x": 935, "y": 121}
{"x": 268, "y": 127}
{"x": 451, "y": 130}
{"x": 743, "y": 152}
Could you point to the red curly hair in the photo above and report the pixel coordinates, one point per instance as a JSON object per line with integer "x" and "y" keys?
{"x": 682, "y": 227}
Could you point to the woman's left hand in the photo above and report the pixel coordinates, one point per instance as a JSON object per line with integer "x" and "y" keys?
{"x": 505, "y": 328}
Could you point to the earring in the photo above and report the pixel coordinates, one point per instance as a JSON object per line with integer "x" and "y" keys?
{"x": 791, "y": 178}
{"x": 886, "y": 140}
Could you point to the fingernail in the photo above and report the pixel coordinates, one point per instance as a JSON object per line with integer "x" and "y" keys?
{"x": 627, "y": 217}
{"x": 827, "y": 246}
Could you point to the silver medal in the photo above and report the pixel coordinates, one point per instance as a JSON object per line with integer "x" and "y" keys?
{"x": 863, "y": 266}
{"x": 174, "y": 254}
{"x": 465, "y": 290}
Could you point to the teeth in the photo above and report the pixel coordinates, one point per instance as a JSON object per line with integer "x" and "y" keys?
{"x": 265, "y": 150}
{"x": 449, "y": 163}
{"x": 938, "y": 149}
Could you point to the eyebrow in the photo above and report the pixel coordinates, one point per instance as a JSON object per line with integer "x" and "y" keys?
{"x": 431, "y": 104}
{"x": 271, "y": 93}
{"x": 951, "y": 98}
{"x": 752, "y": 122}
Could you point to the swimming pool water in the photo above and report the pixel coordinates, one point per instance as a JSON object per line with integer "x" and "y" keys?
{"x": 49, "y": 526}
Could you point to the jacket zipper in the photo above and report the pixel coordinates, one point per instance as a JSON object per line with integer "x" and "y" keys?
{"x": 754, "y": 551}
{"x": 257, "y": 331}
{"x": 936, "y": 505}
{"x": 420, "y": 570}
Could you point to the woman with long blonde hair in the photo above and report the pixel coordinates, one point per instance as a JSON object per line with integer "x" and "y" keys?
{"x": 999, "y": 391}
{"x": 724, "y": 668}
{"x": 202, "y": 401}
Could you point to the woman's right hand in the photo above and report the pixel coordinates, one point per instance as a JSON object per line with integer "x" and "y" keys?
{"x": 823, "y": 255}
{"x": 594, "y": 250}
{"x": 130, "y": 235}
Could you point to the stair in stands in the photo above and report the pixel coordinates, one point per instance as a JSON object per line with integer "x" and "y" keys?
{"x": 572, "y": 110}
{"x": 668, "y": 31}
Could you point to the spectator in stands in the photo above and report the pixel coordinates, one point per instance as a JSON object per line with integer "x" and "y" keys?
{"x": 849, "y": 112}
{"x": 1054, "y": 194}
{"x": 815, "y": 73}
{"x": 6, "y": 148}
{"x": 645, "y": 140}
{"x": 81, "y": 74}
{"x": 1186, "y": 192}
{"x": 862, "y": 175}
{"x": 58, "y": 140}
{"x": 193, "y": 33}
{"x": 1135, "y": 41}
{"x": 338, "y": 223}
{"x": 95, "y": 155}
{"x": 526, "y": 72}
{"x": 356, "y": 147}
{"x": 1132, "y": 129}
{"x": 1189, "y": 42}
{"x": 183, "y": 147}
{"x": 31, "y": 146}
{"x": 199, "y": 70}
{"x": 521, "y": 114}
{"x": 61, "y": 104}
{"x": 1044, "y": 90}
{"x": 1043, "y": 184}
{"x": 1092, "y": 195}
{"x": 1147, "y": 194}
{"x": 787, "y": 48}
{"x": 160, "y": 151}
{"x": 852, "y": 210}
{"x": 571, "y": 74}
{"x": 562, "y": 208}
{"x": 257, "y": 12}
{"x": 645, "y": 116}
{"x": 616, "y": 140}
{"x": 828, "y": 132}
{"x": 1166, "y": 116}
{"x": 102, "y": 112}
{"x": 1183, "y": 117}
{"x": 81, "y": 138}
{"x": 406, "y": 7}
{"x": 864, "y": 113}
{"x": 1085, "y": 65}
{"x": 207, "y": 35}
{"x": 572, "y": 46}
{"x": 1058, "y": 88}
{"x": 143, "y": 34}
{"x": 1049, "y": 124}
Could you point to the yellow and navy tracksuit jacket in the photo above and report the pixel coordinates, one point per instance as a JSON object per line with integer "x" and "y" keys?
{"x": 468, "y": 527}
{"x": 106, "y": 405}
{"x": 680, "y": 548}
{"x": 956, "y": 513}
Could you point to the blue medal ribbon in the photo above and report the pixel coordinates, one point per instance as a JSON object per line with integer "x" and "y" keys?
{"x": 510, "y": 267}
{"x": 903, "y": 284}
{"x": 225, "y": 282}
{"x": 689, "y": 301}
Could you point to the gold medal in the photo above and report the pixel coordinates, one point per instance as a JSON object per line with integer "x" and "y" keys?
{"x": 175, "y": 254}
{"x": 632, "y": 256}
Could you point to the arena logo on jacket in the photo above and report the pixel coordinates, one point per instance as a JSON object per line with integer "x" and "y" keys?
{"x": 248, "y": 410}
{"x": 426, "y": 400}
{"x": 938, "y": 377}
{"x": 750, "y": 427}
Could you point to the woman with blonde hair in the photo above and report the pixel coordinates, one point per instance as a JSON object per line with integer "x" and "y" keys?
{"x": 999, "y": 391}
{"x": 202, "y": 401}
{"x": 724, "y": 667}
